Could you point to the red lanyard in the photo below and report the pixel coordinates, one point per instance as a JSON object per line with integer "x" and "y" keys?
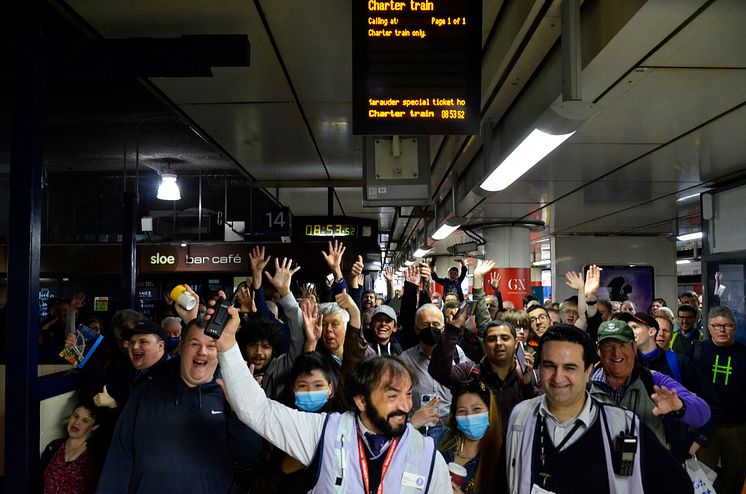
{"x": 364, "y": 462}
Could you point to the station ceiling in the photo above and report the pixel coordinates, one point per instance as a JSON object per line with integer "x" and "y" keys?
{"x": 668, "y": 78}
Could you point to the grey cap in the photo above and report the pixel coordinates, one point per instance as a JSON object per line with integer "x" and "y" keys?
{"x": 384, "y": 309}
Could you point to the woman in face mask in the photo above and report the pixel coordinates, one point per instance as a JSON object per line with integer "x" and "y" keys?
{"x": 474, "y": 437}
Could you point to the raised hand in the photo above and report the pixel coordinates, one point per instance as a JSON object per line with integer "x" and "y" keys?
{"x": 228, "y": 337}
{"x": 187, "y": 315}
{"x": 412, "y": 275}
{"x": 308, "y": 290}
{"x": 245, "y": 297}
{"x": 426, "y": 414}
{"x": 77, "y": 301}
{"x": 482, "y": 268}
{"x": 574, "y": 280}
{"x": 525, "y": 377}
{"x": 388, "y": 274}
{"x": 258, "y": 262}
{"x": 592, "y": 282}
{"x": 425, "y": 271}
{"x": 283, "y": 274}
{"x": 334, "y": 258}
{"x": 312, "y": 323}
{"x": 104, "y": 399}
{"x": 494, "y": 280}
{"x": 346, "y": 302}
{"x": 357, "y": 273}
{"x": 666, "y": 400}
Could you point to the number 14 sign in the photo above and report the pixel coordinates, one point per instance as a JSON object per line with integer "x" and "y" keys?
{"x": 276, "y": 221}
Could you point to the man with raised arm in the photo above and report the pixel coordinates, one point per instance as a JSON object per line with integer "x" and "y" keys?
{"x": 368, "y": 449}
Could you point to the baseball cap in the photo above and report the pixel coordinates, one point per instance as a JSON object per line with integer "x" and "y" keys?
{"x": 386, "y": 310}
{"x": 145, "y": 327}
{"x": 615, "y": 329}
{"x": 640, "y": 317}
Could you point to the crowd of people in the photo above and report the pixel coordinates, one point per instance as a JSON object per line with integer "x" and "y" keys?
{"x": 328, "y": 388}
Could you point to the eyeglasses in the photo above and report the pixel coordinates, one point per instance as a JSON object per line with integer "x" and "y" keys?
{"x": 568, "y": 312}
{"x": 542, "y": 317}
{"x": 723, "y": 327}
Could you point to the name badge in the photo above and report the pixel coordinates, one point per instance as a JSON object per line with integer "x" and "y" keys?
{"x": 412, "y": 480}
{"x": 535, "y": 489}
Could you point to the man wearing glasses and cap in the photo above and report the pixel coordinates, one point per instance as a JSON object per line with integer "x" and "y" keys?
{"x": 684, "y": 440}
{"x": 723, "y": 362}
{"x": 621, "y": 381}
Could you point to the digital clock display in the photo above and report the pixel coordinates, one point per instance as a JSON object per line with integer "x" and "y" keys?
{"x": 330, "y": 230}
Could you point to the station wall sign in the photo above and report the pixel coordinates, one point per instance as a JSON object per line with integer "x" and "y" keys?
{"x": 193, "y": 258}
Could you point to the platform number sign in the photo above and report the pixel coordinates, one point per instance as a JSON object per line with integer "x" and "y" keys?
{"x": 277, "y": 221}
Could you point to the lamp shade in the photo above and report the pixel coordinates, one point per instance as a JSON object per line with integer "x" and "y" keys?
{"x": 169, "y": 189}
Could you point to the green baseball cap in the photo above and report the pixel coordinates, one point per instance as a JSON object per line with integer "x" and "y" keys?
{"x": 615, "y": 329}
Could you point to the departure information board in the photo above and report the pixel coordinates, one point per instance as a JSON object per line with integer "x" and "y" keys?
{"x": 416, "y": 67}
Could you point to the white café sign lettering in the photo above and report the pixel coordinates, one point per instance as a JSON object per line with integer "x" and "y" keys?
{"x": 159, "y": 258}
{"x": 229, "y": 259}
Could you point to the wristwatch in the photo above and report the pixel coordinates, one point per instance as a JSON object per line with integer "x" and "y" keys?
{"x": 680, "y": 412}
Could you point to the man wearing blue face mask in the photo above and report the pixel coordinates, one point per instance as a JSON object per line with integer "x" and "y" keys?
{"x": 171, "y": 327}
{"x": 473, "y": 437}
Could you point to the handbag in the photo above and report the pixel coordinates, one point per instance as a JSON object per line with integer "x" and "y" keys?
{"x": 703, "y": 477}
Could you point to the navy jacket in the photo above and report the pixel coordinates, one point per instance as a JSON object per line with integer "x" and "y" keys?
{"x": 173, "y": 438}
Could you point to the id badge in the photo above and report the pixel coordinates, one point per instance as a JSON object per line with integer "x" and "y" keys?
{"x": 535, "y": 489}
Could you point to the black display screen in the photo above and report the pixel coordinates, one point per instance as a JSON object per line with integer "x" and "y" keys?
{"x": 416, "y": 67}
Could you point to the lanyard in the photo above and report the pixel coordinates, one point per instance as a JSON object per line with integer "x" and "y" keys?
{"x": 364, "y": 462}
{"x": 543, "y": 456}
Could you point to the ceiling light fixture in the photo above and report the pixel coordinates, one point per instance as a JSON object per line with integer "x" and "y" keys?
{"x": 686, "y": 198}
{"x": 169, "y": 189}
{"x": 683, "y": 261}
{"x": 545, "y": 262}
{"x": 449, "y": 226}
{"x": 533, "y": 149}
{"x": 422, "y": 251}
{"x": 689, "y": 236}
{"x": 558, "y": 123}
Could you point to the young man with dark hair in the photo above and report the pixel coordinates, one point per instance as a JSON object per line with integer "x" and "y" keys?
{"x": 377, "y": 447}
{"x": 452, "y": 284}
{"x": 261, "y": 341}
{"x": 686, "y": 331}
{"x": 553, "y": 438}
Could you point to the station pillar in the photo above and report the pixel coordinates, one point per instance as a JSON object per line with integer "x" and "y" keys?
{"x": 510, "y": 248}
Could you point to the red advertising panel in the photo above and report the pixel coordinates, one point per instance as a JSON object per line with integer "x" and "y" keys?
{"x": 515, "y": 283}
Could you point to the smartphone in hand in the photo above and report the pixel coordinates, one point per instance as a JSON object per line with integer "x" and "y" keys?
{"x": 520, "y": 354}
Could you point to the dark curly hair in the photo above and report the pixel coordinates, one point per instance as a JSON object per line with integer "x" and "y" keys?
{"x": 259, "y": 328}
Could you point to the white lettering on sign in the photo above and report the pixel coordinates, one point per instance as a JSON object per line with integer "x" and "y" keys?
{"x": 517, "y": 284}
{"x": 159, "y": 258}
{"x": 229, "y": 259}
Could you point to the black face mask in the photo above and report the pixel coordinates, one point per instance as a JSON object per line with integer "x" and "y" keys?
{"x": 430, "y": 335}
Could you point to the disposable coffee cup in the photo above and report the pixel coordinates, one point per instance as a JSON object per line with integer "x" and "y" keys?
{"x": 181, "y": 296}
{"x": 458, "y": 473}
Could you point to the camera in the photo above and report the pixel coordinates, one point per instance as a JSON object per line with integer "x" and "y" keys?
{"x": 625, "y": 448}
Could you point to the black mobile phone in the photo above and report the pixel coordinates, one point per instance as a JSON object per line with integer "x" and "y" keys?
{"x": 469, "y": 306}
{"x": 520, "y": 354}
{"x": 217, "y": 322}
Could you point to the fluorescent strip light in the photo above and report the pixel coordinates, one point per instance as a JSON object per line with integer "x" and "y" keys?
{"x": 533, "y": 149}
{"x": 683, "y": 261}
{"x": 408, "y": 263}
{"x": 686, "y": 198}
{"x": 690, "y": 236}
{"x": 401, "y": 269}
{"x": 545, "y": 262}
{"x": 444, "y": 231}
{"x": 421, "y": 252}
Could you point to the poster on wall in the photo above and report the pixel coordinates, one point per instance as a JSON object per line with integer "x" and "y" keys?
{"x": 515, "y": 283}
{"x": 622, "y": 283}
